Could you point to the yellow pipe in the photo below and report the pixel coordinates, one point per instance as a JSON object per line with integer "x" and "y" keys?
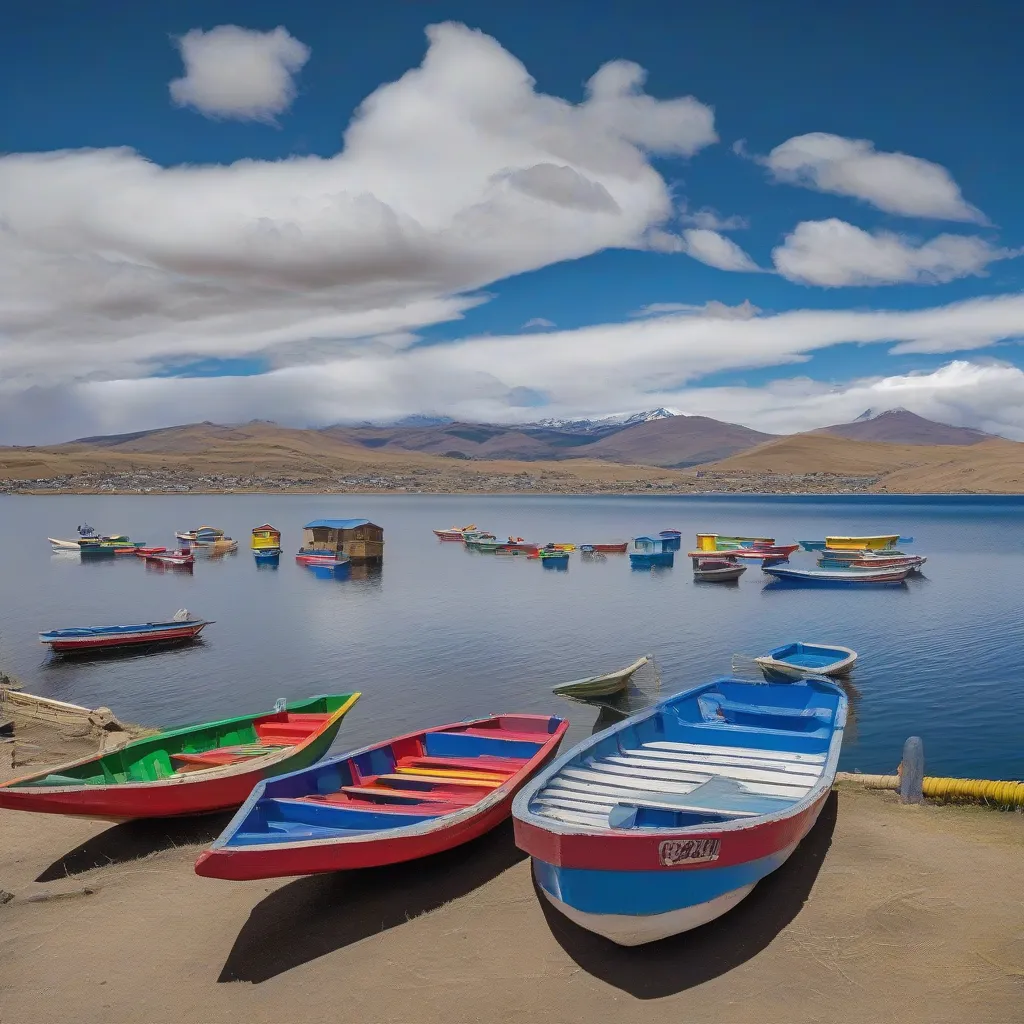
{"x": 1007, "y": 794}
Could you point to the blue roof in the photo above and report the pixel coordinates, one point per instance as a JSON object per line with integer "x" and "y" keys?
{"x": 337, "y": 524}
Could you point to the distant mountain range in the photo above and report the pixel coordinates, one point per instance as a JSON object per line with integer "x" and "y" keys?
{"x": 658, "y": 437}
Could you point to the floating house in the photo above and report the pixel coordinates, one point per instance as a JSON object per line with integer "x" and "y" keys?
{"x": 358, "y": 539}
{"x": 647, "y": 552}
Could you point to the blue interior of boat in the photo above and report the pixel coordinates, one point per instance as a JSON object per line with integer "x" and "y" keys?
{"x": 725, "y": 750}
{"x": 103, "y": 630}
{"x": 809, "y": 656}
{"x": 397, "y": 784}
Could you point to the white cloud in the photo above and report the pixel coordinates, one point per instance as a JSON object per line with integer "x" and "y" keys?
{"x": 538, "y": 321}
{"x": 456, "y": 175}
{"x": 713, "y": 308}
{"x": 641, "y": 364}
{"x": 833, "y": 254}
{"x": 894, "y": 182}
{"x": 711, "y": 220}
{"x": 716, "y": 250}
{"x": 239, "y": 73}
{"x": 987, "y": 396}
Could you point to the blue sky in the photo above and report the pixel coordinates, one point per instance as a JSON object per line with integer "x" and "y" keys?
{"x": 175, "y": 252}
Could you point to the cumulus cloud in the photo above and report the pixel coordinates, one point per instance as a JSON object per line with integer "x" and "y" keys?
{"x": 894, "y": 182}
{"x": 833, "y": 254}
{"x": 457, "y": 175}
{"x": 716, "y": 250}
{"x": 238, "y": 73}
{"x": 643, "y": 363}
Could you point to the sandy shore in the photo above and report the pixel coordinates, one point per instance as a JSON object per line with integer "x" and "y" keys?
{"x": 885, "y": 913}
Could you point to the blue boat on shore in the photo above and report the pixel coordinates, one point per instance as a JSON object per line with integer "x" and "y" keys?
{"x": 647, "y": 552}
{"x": 667, "y": 820}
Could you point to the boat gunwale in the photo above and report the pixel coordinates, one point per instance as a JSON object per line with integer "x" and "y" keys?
{"x": 770, "y": 661}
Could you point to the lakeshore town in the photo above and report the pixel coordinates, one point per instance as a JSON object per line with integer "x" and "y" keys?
{"x": 190, "y": 481}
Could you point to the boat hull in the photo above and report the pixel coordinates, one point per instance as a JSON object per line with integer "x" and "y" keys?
{"x": 70, "y": 645}
{"x": 799, "y": 660}
{"x": 730, "y": 575}
{"x": 388, "y": 846}
{"x": 837, "y": 578}
{"x": 218, "y": 790}
{"x": 648, "y": 561}
{"x": 877, "y": 543}
{"x": 601, "y": 686}
{"x": 610, "y": 549}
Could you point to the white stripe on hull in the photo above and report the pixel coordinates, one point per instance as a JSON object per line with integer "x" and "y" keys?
{"x": 637, "y": 929}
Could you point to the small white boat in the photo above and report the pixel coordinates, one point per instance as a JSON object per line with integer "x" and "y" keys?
{"x": 799, "y": 660}
{"x": 601, "y": 686}
{"x": 64, "y": 545}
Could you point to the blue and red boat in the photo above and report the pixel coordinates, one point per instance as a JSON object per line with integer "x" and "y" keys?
{"x": 400, "y": 800}
{"x": 668, "y": 819}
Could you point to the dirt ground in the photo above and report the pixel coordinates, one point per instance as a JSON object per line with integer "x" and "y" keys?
{"x": 884, "y": 914}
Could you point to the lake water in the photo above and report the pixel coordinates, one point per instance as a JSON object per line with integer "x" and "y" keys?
{"x": 441, "y": 633}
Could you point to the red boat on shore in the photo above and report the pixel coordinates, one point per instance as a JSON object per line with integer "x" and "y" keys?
{"x": 390, "y": 802}
{"x": 194, "y": 769}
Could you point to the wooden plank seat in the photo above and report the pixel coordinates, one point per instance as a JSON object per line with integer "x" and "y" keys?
{"x": 439, "y": 780}
{"x": 411, "y": 795}
{"x": 497, "y": 765}
{"x": 451, "y": 773}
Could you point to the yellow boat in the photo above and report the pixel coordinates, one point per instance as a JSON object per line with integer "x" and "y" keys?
{"x": 265, "y": 537}
{"x": 561, "y": 547}
{"x": 717, "y": 542}
{"x": 879, "y": 543}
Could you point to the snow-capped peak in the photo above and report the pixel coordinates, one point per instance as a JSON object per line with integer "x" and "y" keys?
{"x": 622, "y": 419}
{"x": 872, "y": 414}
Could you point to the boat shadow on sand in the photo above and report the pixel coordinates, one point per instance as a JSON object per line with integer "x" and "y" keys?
{"x": 681, "y": 962}
{"x": 133, "y": 840}
{"x": 316, "y": 915}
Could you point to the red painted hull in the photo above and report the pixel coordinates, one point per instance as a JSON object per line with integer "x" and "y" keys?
{"x": 756, "y": 553}
{"x": 611, "y": 549}
{"x": 127, "y": 640}
{"x": 172, "y": 559}
{"x": 143, "y": 552}
{"x": 316, "y": 559}
{"x": 454, "y": 535}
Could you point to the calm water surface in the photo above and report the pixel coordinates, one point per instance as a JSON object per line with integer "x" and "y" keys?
{"x": 442, "y": 634}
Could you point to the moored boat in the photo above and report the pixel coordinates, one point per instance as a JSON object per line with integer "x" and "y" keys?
{"x": 754, "y": 553}
{"x": 331, "y": 558}
{"x": 668, "y": 819}
{"x": 799, "y": 660}
{"x": 172, "y": 559}
{"x": 868, "y": 543}
{"x": 553, "y": 558}
{"x": 611, "y": 548}
{"x": 712, "y": 569}
{"x": 180, "y": 629}
{"x": 649, "y": 552}
{"x": 673, "y": 539}
{"x": 63, "y": 545}
{"x": 872, "y": 561}
{"x": 713, "y": 542}
{"x": 266, "y": 538}
{"x": 837, "y": 577}
{"x": 144, "y": 552}
{"x": 601, "y": 686}
{"x": 200, "y": 535}
{"x": 454, "y": 533}
{"x": 190, "y": 770}
{"x": 267, "y": 556}
{"x": 389, "y": 802}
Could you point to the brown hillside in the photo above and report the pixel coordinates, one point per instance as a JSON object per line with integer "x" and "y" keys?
{"x": 677, "y": 442}
{"x": 898, "y": 426}
{"x": 284, "y": 453}
{"x": 994, "y": 466}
